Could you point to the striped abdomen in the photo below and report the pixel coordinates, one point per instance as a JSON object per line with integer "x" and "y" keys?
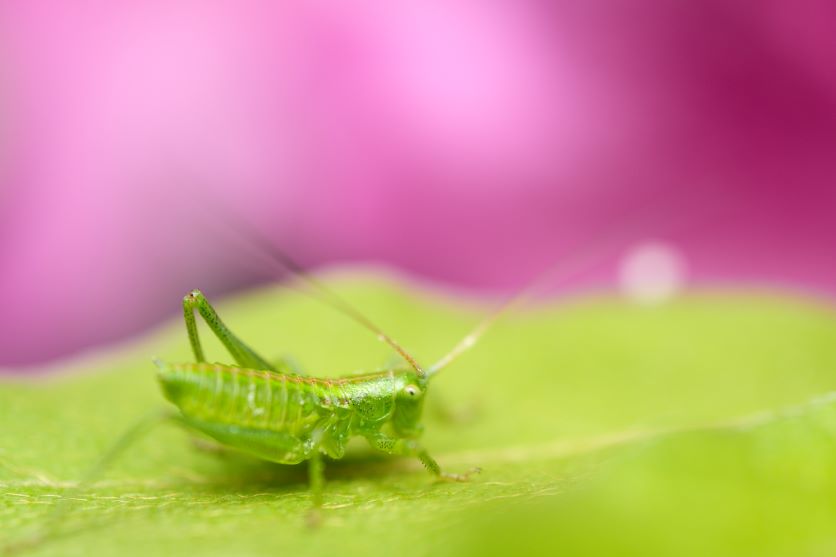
{"x": 260, "y": 400}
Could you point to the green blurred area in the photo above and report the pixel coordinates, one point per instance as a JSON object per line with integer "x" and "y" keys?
{"x": 602, "y": 427}
{"x": 765, "y": 490}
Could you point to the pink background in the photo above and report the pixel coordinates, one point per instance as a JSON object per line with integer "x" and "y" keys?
{"x": 468, "y": 143}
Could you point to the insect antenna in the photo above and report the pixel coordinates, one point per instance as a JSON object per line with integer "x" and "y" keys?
{"x": 559, "y": 271}
{"x": 581, "y": 256}
{"x": 318, "y": 290}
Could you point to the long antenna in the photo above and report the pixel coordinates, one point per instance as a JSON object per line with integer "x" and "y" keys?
{"x": 558, "y": 271}
{"x": 327, "y": 295}
{"x": 575, "y": 261}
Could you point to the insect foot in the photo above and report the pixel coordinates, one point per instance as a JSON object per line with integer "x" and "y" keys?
{"x": 313, "y": 519}
{"x": 448, "y": 477}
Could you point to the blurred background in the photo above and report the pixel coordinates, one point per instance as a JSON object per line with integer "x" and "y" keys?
{"x": 468, "y": 144}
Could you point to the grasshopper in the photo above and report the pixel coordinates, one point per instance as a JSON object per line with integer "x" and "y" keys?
{"x": 276, "y": 414}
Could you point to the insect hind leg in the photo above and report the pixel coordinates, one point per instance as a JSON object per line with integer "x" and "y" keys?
{"x": 51, "y": 526}
{"x": 241, "y": 353}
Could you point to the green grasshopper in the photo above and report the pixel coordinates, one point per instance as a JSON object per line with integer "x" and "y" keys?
{"x": 281, "y": 416}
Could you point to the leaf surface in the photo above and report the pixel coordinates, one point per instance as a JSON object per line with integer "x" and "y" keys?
{"x": 701, "y": 426}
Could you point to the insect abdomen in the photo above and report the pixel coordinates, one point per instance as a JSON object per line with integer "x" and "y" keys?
{"x": 243, "y": 397}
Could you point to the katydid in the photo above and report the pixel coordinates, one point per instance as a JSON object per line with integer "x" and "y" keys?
{"x": 286, "y": 417}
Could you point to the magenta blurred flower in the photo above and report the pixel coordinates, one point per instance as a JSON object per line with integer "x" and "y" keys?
{"x": 467, "y": 142}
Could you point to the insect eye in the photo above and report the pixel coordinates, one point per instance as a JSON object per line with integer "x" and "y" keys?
{"x": 412, "y": 390}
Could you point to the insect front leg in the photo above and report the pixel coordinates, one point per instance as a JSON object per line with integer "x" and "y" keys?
{"x": 410, "y": 447}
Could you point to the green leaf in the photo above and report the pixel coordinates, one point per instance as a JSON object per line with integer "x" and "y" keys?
{"x": 602, "y": 428}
